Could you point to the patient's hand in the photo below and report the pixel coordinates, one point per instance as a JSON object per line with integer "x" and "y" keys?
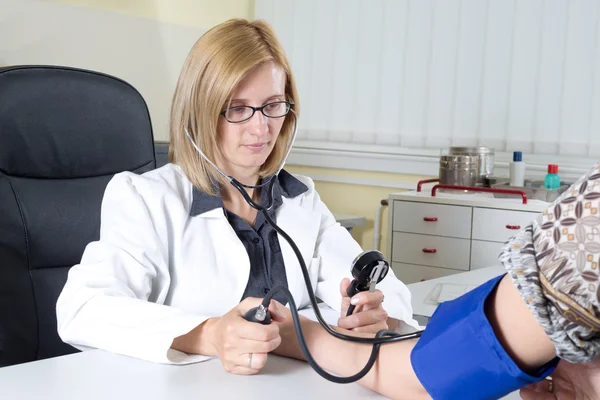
{"x": 369, "y": 315}
{"x": 569, "y": 382}
{"x": 290, "y": 346}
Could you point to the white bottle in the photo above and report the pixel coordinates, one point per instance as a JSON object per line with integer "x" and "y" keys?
{"x": 517, "y": 170}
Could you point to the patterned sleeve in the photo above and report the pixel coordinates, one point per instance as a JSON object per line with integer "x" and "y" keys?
{"x": 554, "y": 263}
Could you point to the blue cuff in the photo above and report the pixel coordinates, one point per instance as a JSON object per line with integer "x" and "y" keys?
{"x": 459, "y": 356}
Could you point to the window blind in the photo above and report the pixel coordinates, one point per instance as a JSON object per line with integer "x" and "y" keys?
{"x": 426, "y": 74}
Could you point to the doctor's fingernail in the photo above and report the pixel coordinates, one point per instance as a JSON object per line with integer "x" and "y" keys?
{"x": 354, "y": 301}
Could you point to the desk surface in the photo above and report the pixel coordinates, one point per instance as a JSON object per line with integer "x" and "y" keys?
{"x": 95, "y": 375}
{"x": 99, "y": 375}
{"x": 349, "y": 221}
{"x": 421, "y": 291}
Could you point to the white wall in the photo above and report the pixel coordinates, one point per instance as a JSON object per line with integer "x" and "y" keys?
{"x": 196, "y": 13}
{"x": 131, "y": 43}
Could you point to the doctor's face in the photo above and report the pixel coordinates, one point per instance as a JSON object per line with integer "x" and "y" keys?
{"x": 246, "y": 145}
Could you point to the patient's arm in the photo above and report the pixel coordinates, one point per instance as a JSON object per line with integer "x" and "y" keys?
{"x": 516, "y": 328}
{"x": 393, "y": 375}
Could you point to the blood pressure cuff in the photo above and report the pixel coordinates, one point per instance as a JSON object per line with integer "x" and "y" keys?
{"x": 459, "y": 357}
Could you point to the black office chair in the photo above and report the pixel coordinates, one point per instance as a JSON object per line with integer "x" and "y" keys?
{"x": 161, "y": 152}
{"x": 64, "y": 133}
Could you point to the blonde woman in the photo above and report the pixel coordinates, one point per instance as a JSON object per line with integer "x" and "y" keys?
{"x": 182, "y": 256}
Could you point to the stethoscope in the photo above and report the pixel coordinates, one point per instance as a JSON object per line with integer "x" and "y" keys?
{"x": 368, "y": 269}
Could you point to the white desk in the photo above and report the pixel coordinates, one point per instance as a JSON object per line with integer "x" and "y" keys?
{"x": 95, "y": 375}
{"x": 349, "y": 221}
{"x": 422, "y": 292}
{"x": 98, "y": 375}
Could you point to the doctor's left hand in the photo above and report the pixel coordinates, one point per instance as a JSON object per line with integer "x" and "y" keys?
{"x": 369, "y": 315}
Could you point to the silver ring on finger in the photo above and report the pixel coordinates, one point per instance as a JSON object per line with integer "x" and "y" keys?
{"x": 250, "y": 360}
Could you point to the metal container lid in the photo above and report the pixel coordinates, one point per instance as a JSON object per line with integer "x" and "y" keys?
{"x": 471, "y": 150}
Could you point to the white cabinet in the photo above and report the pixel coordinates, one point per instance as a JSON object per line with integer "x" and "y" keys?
{"x": 433, "y": 219}
{"x": 430, "y": 237}
{"x": 434, "y": 251}
{"x": 497, "y": 225}
{"x": 484, "y": 254}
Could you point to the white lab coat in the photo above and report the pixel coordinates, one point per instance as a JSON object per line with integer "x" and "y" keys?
{"x": 156, "y": 272}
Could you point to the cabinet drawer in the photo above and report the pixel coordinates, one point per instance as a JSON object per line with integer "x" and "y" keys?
{"x": 408, "y": 273}
{"x": 433, "y": 251}
{"x": 432, "y": 219}
{"x": 485, "y": 254}
{"x": 499, "y": 225}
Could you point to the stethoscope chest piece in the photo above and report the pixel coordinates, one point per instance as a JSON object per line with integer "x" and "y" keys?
{"x": 368, "y": 269}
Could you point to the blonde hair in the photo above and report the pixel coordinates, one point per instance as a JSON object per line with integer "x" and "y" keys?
{"x": 215, "y": 66}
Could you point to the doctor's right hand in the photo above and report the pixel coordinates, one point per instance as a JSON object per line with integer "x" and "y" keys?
{"x": 242, "y": 346}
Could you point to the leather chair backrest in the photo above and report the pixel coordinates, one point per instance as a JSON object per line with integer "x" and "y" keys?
{"x": 64, "y": 133}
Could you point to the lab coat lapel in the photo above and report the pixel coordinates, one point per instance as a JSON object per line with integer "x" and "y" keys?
{"x": 233, "y": 264}
{"x": 302, "y": 226}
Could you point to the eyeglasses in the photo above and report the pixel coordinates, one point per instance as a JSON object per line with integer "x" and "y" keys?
{"x": 238, "y": 114}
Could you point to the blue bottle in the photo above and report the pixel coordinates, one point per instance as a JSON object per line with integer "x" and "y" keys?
{"x": 552, "y": 180}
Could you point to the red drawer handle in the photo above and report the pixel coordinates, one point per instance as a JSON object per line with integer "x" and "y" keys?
{"x": 430, "y": 251}
{"x": 513, "y": 227}
{"x": 430, "y": 219}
